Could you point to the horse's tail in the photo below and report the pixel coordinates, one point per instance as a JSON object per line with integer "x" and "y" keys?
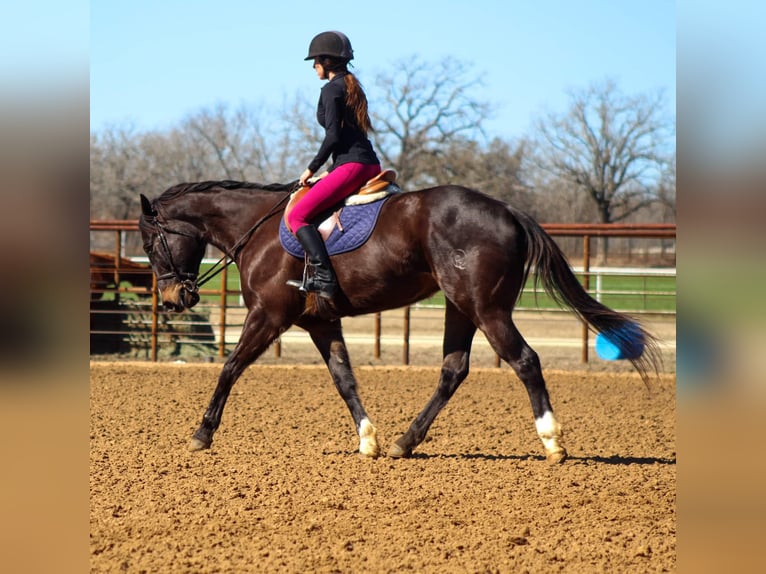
{"x": 557, "y": 278}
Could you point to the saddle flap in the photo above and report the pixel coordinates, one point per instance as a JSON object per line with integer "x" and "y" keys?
{"x": 294, "y": 198}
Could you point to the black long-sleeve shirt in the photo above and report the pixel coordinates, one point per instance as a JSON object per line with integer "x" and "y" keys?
{"x": 343, "y": 139}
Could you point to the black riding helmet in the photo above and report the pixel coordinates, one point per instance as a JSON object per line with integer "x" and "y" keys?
{"x": 333, "y": 43}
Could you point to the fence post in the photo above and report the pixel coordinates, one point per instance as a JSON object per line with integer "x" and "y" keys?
{"x": 376, "y": 337}
{"x": 586, "y": 286}
{"x": 224, "y": 301}
{"x": 117, "y": 259}
{"x": 155, "y": 317}
{"x": 406, "y": 348}
{"x": 599, "y": 286}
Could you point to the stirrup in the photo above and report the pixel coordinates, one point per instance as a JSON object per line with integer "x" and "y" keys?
{"x": 304, "y": 287}
{"x": 310, "y": 285}
{"x": 301, "y": 285}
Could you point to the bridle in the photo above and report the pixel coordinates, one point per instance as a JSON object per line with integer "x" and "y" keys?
{"x": 189, "y": 281}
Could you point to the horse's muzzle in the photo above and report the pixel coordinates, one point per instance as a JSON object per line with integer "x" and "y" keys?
{"x": 178, "y": 297}
{"x": 189, "y": 298}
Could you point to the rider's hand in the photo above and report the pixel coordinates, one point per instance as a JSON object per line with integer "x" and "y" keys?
{"x": 305, "y": 176}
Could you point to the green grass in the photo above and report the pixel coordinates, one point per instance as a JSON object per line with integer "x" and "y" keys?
{"x": 215, "y": 283}
{"x": 622, "y": 293}
{"x": 654, "y": 294}
{"x": 124, "y": 296}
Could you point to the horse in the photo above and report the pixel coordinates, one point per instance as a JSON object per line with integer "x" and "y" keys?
{"x": 103, "y": 267}
{"x": 476, "y": 249}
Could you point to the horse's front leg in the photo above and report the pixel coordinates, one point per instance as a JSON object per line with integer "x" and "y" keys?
{"x": 328, "y": 338}
{"x": 257, "y": 335}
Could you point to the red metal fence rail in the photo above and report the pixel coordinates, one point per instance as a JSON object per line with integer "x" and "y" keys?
{"x": 149, "y": 333}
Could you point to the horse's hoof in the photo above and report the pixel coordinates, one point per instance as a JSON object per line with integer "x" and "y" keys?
{"x": 368, "y": 442}
{"x": 370, "y": 452}
{"x": 397, "y": 451}
{"x": 557, "y": 457}
{"x": 196, "y": 444}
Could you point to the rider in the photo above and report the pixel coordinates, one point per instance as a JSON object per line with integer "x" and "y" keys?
{"x": 342, "y": 112}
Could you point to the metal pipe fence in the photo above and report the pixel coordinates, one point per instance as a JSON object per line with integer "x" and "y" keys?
{"x": 128, "y": 320}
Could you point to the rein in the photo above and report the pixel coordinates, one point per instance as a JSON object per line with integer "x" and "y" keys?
{"x": 222, "y": 264}
{"x": 190, "y": 281}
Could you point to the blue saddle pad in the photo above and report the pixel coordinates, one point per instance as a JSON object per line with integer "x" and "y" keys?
{"x": 358, "y": 222}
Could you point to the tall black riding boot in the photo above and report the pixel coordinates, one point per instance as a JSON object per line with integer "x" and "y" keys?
{"x": 323, "y": 280}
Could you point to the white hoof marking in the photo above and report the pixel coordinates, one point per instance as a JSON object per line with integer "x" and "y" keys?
{"x": 368, "y": 443}
{"x": 549, "y": 431}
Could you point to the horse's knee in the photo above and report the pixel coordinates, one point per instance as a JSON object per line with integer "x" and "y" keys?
{"x": 339, "y": 352}
{"x": 455, "y": 367}
{"x": 338, "y": 360}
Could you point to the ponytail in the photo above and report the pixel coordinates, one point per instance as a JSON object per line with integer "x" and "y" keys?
{"x": 356, "y": 100}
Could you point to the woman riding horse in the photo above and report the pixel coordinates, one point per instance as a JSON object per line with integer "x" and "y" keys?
{"x": 342, "y": 112}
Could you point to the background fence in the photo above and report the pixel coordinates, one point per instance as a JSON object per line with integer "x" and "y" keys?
{"x": 127, "y": 320}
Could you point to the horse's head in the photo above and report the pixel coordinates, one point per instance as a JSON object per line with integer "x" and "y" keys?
{"x": 175, "y": 249}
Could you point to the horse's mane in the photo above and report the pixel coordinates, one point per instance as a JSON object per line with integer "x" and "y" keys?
{"x": 213, "y": 186}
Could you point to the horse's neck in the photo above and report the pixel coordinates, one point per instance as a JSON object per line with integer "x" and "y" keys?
{"x": 228, "y": 217}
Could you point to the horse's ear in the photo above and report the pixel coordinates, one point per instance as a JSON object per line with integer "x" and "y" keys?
{"x": 146, "y": 207}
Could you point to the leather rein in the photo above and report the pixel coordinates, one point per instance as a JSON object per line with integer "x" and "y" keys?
{"x": 189, "y": 281}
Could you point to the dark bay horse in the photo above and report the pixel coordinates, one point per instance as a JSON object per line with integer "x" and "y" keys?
{"x": 476, "y": 249}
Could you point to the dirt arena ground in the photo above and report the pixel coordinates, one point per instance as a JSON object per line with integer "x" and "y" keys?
{"x": 283, "y": 490}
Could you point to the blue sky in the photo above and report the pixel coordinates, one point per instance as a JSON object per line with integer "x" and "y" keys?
{"x": 154, "y": 62}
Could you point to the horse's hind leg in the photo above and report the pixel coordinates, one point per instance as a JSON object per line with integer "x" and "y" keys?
{"x": 512, "y": 348}
{"x": 458, "y": 336}
{"x": 328, "y": 338}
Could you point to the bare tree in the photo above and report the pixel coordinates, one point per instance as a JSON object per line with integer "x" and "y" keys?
{"x": 494, "y": 168}
{"x": 610, "y": 146}
{"x": 119, "y": 170}
{"x": 248, "y": 143}
{"x": 666, "y": 191}
{"x": 227, "y": 137}
{"x": 253, "y": 142}
{"x": 428, "y": 111}
{"x": 125, "y": 163}
{"x": 424, "y": 108}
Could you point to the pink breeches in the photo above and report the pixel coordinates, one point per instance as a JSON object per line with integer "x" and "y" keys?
{"x": 332, "y": 188}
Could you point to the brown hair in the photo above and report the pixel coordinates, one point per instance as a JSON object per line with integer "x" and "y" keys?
{"x": 356, "y": 100}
